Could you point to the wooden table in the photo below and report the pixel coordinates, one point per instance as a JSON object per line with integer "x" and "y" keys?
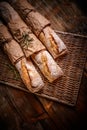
{"x": 23, "y": 111}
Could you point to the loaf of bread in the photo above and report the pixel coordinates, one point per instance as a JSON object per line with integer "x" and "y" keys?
{"x": 26, "y": 69}
{"x": 47, "y": 65}
{"x": 41, "y": 27}
{"x": 19, "y": 29}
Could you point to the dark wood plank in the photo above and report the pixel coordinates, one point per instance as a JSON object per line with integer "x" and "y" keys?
{"x": 9, "y": 119}
{"x": 19, "y": 110}
{"x": 22, "y": 111}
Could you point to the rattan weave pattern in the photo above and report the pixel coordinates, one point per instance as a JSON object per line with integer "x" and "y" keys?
{"x": 64, "y": 89}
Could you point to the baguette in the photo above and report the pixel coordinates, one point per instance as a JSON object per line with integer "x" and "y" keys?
{"x": 47, "y": 65}
{"x": 41, "y": 27}
{"x": 17, "y": 28}
{"x": 26, "y": 69}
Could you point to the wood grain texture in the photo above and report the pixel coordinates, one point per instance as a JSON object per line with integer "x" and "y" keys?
{"x": 18, "y": 114}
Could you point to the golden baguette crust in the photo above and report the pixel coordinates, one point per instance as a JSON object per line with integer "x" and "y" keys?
{"x": 35, "y": 78}
{"x": 47, "y": 65}
{"x": 29, "y": 75}
{"x": 52, "y": 42}
{"x": 25, "y": 75}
